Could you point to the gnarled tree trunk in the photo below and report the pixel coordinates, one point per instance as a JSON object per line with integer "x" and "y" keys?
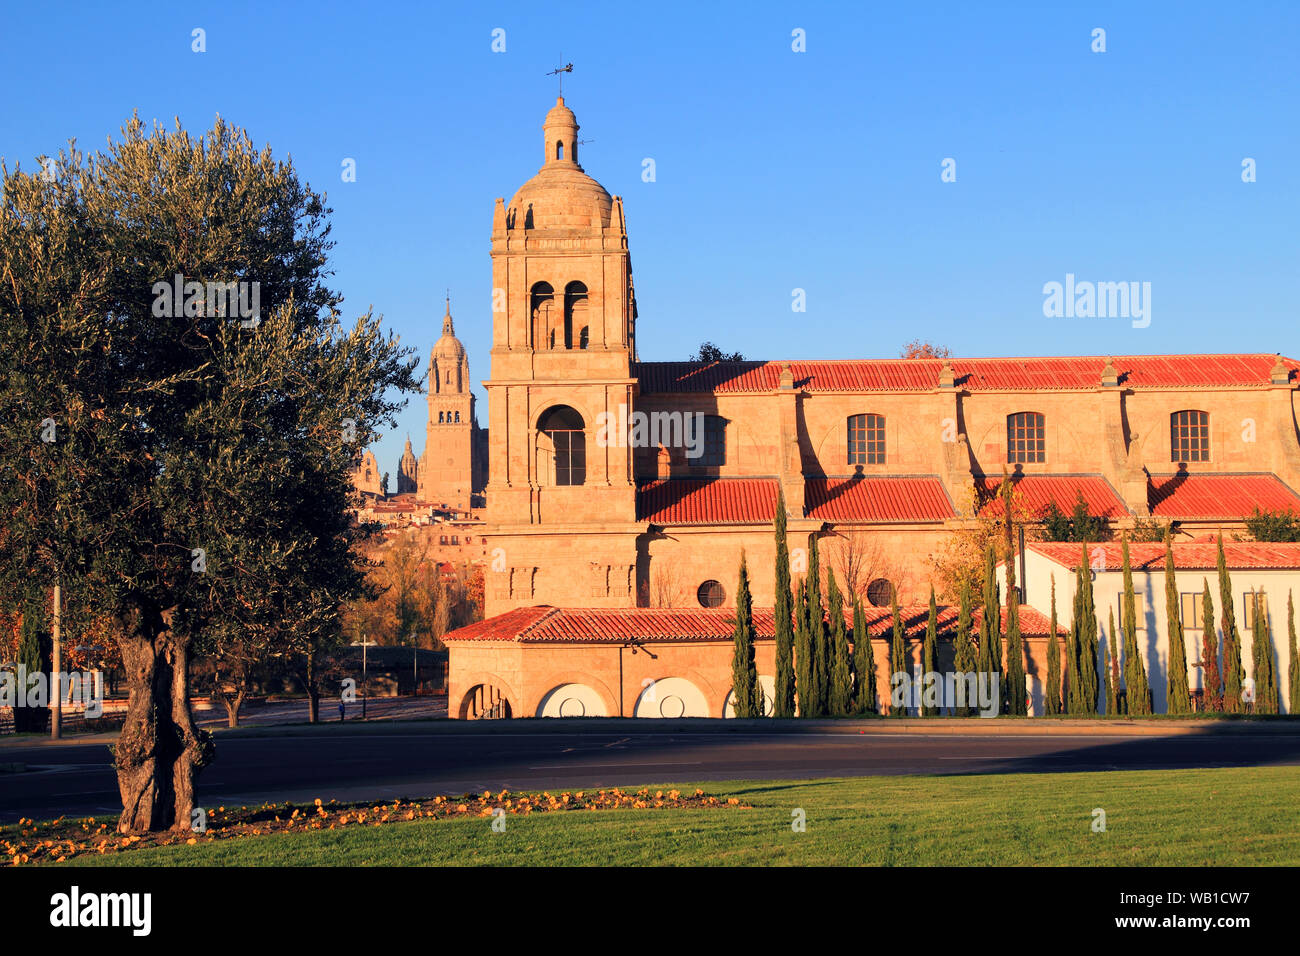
{"x": 160, "y": 752}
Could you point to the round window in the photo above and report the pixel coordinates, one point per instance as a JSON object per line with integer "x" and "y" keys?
{"x": 879, "y": 592}
{"x": 711, "y": 594}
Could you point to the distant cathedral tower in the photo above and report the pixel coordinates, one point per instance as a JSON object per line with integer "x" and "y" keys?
{"x": 408, "y": 470}
{"x": 449, "y": 472}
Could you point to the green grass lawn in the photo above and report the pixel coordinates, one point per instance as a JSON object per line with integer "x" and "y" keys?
{"x": 1245, "y": 816}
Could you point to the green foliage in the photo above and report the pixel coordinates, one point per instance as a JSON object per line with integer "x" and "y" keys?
{"x": 1149, "y": 530}
{"x": 803, "y": 652}
{"x": 1115, "y": 698}
{"x": 819, "y": 676}
{"x": 1212, "y": 683}
{"x": 1233, "y": 674}
{"x": 1135, "y": 672}
{"x": 1052, "y": 689}
{"x": 1274, "y": 525}
{"x": 1179, "y": 693}
{"x": 1293, "y": 669}
{"x": 964, "y": 658}
{"x": 864, "y": 663}
{"x": 930, "y": 653}
{"x": 990, "y": 646}
{"x": 708, "y": 352}
{"x": 783, "y": 706}
{"x": 1261, "y": 647}
{"x": 1083, "y": 640}
{"x": 899, "y": 662}
{"x": 746, "y": 693}
{"x": 1079, "y": 525}
{"x": 841, "y": 672}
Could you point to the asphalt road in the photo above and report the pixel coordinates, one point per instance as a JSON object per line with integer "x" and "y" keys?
{"x": 386, "y": 761}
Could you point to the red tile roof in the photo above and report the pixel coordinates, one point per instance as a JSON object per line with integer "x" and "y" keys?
{"x": 975, "y": 374}
{"x": 920, "y": 498}
{"x": 707, "y": 501}
{"x": 541, "y": 625}
{"x": 1200, "y": 497}
{"x": 1036, "y": 492}
{"x": 1188, "y": 556}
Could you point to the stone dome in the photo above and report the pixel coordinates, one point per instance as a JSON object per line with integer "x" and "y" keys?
{"x": 448, "y": 348}
{"x": 561, "y": 195}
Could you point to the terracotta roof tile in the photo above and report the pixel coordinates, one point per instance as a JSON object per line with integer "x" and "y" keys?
{"x": 1188, "y": 556}
{"x": 1035, "y": 373}
{"x": 707, "y": 501}
{"x": 542, "y": 625}
{"x": 1202, "y": 497}
{"x": 1036, "y": 492}
{"x": 919, "y": 498}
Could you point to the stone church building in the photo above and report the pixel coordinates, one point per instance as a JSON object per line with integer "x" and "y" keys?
{"x": 621, "y": 493}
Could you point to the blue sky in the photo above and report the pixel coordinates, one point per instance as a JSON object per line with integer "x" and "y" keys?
{"x": 775, "y": 170}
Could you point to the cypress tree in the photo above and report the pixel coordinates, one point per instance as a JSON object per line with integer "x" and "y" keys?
{"x": 930, "y": 657}
{"x": 33, "y": 639}
{"x": 864, "y": 663}
{"x": 783, "y": 706}
{"x": 1293, "y": 669}
{"x": 990, "y": 659}
{"x": 1212, "y": 692}
{"x": 841, "y": 683}
{"x": 816, "y": 625}
{"x": 963, "y": 655}
{"x": 747, "y": 698}
{"x": 1015, "y": 695}
{"x": 898, "y": 662}
{"x": 1115, "y": 697}
{"x": 802, "y": 652}
{"x": 1179, "y": 696}
{"x": 1233, "y": 674}
{"x": 1052, "y": 691}
{"x": 1087, "y": 641}
{"x": 1135, "y": 672}
{"x": 1261, "y": 647}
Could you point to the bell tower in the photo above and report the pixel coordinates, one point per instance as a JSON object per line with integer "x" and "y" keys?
{"x": 563, "y": 344}
{"x": 447, "y": 468}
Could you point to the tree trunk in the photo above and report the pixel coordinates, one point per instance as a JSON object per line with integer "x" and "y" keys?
{"x": 233, "y": 704}
{"x": 160, "y": 752}
{"x": 313, "y": 692}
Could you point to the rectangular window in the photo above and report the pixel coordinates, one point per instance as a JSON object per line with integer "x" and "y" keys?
{"x": 866, "y": 439}
{"x": 1026, "y": 438}
{"x": 715, "y": 442}
{"x": 570, "y": 457}
{"x": 1193, "y": 609}
{"x": 1248, "y": 619}
{"x": 1189, "y": 436}
{"x": 1138, "y": 606}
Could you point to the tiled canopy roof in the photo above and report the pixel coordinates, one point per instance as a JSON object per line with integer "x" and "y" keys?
{"x": 1196, "y": 497}
{"x": 920, "y": 498}
{"x": 707, "y": 501}
{"x": 1036, "y": 492}
{"x": 548, "y": 625}
{"x": 1188, "y": 556}
{"x": 973, "y": 374}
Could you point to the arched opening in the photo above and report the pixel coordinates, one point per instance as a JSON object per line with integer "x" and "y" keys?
{"x": 458, "y": 418}
{"x": 561, "y": 447}
{"x": 541, "y": 307}
{"x": 484, "y": 702}
{"x": 572, "y": 700}
{"x": 559, "y": 149}
{"x": 766, "y": 686}
{"x": 1026, "y": 438}
{"x": 575, "y": 311}
{"x": 671, "y": 697}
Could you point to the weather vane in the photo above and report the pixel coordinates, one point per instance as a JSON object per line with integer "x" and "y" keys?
{"x": 567, "y": 68}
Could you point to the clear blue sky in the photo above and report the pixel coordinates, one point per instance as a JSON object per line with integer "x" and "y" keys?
{"x": 775, "y": 169}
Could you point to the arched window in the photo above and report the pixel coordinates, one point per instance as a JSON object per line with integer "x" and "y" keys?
{"x": 458, "y": 418}
{"x": 866, "y": 439}
{"x": 1026, "y": 438}
{"x": 440, "y": 418}
{"x": 584, "y": 338}
{"x": 575, "y": 311}
{"x": 714, "y": 452}
{"x": 541, "y": 309}
{"x": 559, "y": 149}
{"x": 711, "y": 594}
{"x": 1189, "y": 436}
{"x": 562, "y": 447}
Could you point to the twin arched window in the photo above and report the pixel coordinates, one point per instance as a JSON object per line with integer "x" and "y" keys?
{"x": 1189, "y": 436}
{"x": 866, "y": 439}
{"x": 1026, "y": 438}
{"x": 556, "y": 326}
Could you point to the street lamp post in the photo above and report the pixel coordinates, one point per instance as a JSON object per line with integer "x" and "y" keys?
{"x": 365, "y": 683}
